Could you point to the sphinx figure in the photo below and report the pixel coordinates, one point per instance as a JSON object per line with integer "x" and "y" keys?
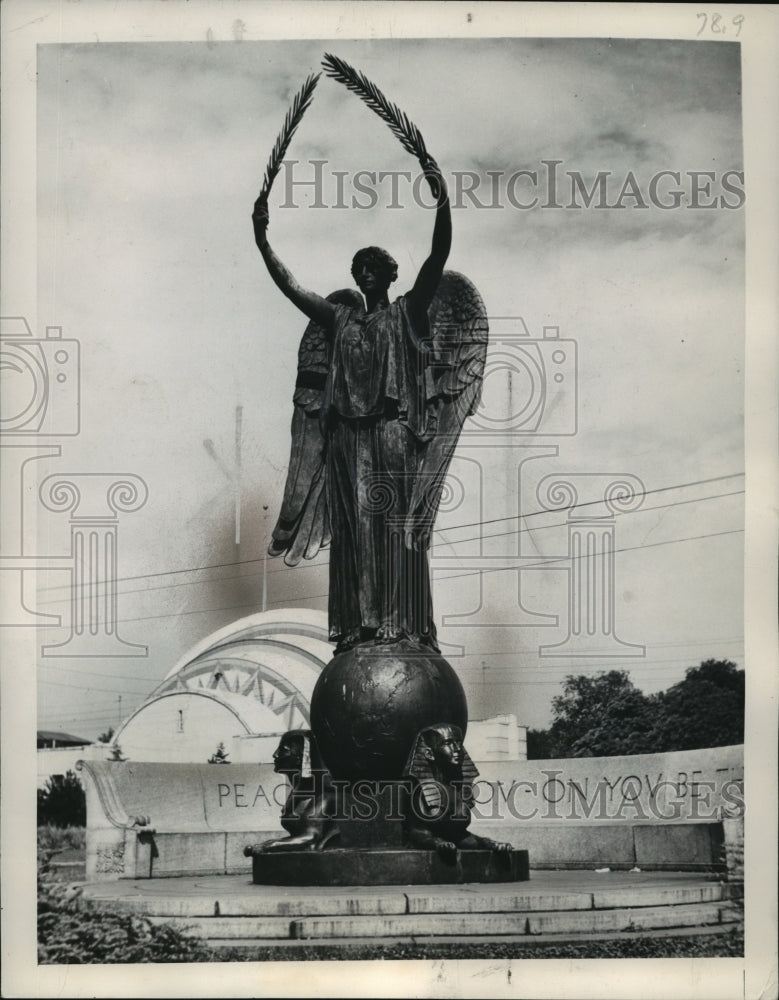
{"x": 307, "y": 813}
{"x": 442, "y": 776}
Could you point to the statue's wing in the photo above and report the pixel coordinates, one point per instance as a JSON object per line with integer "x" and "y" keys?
{"x": 455, "y": 366}
{"x": 303, "y": 525}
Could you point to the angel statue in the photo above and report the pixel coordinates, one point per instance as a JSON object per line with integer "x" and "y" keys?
{"x": 383, "y": 388}
{"x": 307, "y": 813}
{"x": 442, "y": 796}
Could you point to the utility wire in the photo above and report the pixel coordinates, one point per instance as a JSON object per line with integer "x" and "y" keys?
{"x": 497, "y": 520}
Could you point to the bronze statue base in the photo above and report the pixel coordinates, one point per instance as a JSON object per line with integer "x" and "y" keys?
{"x": 352, "y": 866}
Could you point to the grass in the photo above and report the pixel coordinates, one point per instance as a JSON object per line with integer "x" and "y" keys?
{"x": 724, "y": 945}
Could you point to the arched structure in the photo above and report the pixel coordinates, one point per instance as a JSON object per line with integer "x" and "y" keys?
{"x": 242, "y": 686}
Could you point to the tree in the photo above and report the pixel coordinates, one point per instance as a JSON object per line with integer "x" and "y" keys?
{"x": 107, "y": 736}
{"x": 219, "y": 756}
{"x": 597, "y": 715}
{"x": 706, "y": 709}
{"x": 62, "y": 801}
{"x": 623, "y": 727}
{"x": 116, "y": 753}
{"x": 539, "y": 744}
{"x": 606, "y": 715}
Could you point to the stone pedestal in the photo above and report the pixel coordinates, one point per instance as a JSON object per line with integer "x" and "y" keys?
{"x": 370, "y": 814}
{"x": 360, "y": 866}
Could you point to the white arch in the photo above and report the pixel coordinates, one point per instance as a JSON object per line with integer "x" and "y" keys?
{"x": 304, "y": 622}
{"x": 264, "y": 663}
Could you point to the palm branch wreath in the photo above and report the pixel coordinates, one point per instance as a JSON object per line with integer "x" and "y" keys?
{"x": 400, "y": 124}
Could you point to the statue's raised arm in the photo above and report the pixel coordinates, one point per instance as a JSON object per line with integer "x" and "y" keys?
{"x": 421, "y": 295}
{"x": 309, "y": 303}
{"x": 312, "y": 305}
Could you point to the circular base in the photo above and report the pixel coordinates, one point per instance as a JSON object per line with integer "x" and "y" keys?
{"x": 383, "y": 867}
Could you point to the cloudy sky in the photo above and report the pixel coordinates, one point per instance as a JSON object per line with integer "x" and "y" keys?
{"x": 149, "y": 159}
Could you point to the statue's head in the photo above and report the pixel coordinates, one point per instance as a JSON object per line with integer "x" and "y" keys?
{"x": 289, "y": 755}
{"x": 439, "y": 758}
{"x": 374, "y": 270}
{"x": 297, "y": 754}
{"x": 444, "y": 748}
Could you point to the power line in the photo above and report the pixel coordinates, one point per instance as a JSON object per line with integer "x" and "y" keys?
{"x": 544, "y": 563}
{"x": 562, "y": 524}
{"x": 94, "y": 673}
{"x": 593, "y": 503}
{"x": 87, "y": 687}
{"x": 513, "y": 517}
{"x": 636, "y": 663}
{"x": 547, "y": 561}
{"x": 460, "y": 541}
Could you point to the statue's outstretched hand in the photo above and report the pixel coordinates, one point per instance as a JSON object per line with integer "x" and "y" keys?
{"x": 433, "y": 175}
{"x": 260, "y": 220}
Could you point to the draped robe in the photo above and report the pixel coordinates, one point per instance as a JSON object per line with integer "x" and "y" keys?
{"x": 377, "y": 425}
{"x": 379, "y": 405}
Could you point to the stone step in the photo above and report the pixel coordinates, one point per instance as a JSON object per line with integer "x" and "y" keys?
{"x": 634, "y": 918}
{"x": 259, "y": 903}
{"x": 605, "y": 899}
{"x": 448, "y": 924}
{"x": 214, "y": 928}
{"x": 444, "y": 924}
{"x": 271, "y": 902}
{"x": 247, "y": 945}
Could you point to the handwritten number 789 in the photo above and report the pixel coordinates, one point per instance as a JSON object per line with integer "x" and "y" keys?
{"x": 717, "y": 24}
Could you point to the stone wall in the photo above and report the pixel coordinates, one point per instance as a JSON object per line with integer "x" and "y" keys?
{"x": 689, "y": 785}
{"x": 660, "y": 811}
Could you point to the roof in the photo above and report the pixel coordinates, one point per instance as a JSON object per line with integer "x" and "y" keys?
{"x": 47, "y": 734}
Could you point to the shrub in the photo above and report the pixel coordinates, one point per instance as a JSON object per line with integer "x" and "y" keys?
{"x": 59, "y": 838}
{"x": 219, "y": 756}
{"x": 73, "y": 931}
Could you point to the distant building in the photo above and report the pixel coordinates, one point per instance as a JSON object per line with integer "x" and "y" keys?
{"x": 58, "y": 753}
{"x": 47, "y": 740}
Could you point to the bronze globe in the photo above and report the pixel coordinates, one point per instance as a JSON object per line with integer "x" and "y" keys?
{"x": 370, "y": 703}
